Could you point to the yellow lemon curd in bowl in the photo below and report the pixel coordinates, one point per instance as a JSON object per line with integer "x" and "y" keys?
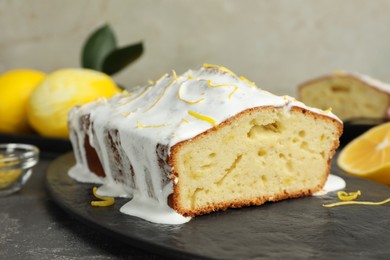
{"x": 8, "y": 176}
{"x": 16, "y": 162}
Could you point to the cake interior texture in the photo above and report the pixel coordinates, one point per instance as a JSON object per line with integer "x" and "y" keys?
{"x": 349, "y": 97}
{"x": 260, "y": 155}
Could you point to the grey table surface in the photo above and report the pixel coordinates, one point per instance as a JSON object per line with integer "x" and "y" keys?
{"x": 32, "y": 226}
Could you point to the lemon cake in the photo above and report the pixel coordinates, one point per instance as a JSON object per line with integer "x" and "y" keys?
{"x": 350, "y": 95}
{"x": 200, "y": 142}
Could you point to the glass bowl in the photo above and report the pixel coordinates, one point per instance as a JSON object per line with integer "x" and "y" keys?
{"x": 16, "y": 162}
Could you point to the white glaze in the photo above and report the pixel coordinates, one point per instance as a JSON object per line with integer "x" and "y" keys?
{"x": 81, "y": 174}
{"x": 153, "y": 211}
{"x": 113, "y": 190}
{"x": 333, "y": 183}
{"x": 160, "y": 114}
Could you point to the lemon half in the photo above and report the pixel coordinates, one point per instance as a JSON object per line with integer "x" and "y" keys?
{"x": 368, "y": 156}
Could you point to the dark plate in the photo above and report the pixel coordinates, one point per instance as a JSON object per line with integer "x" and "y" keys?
{"x": 295, "y": 228}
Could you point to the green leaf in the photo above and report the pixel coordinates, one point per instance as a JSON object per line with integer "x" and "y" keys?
{"x": 120, "y": 58}
{"x": 98, "y": 45}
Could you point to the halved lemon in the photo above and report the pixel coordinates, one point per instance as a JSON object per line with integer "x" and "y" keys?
{"x": 368, "y": 156}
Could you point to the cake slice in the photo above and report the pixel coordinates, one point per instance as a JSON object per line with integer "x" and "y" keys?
{"x": 204, "y": 141}
{"x": 350, "y": 95}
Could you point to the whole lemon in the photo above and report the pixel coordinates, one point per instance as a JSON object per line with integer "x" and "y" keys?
{"x": 53, "y": 98}
{"x": 15, "y": 89}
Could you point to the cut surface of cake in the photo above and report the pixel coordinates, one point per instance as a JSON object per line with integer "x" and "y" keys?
{"x": 350, "y": 95}
{"x": 200, "y": 142}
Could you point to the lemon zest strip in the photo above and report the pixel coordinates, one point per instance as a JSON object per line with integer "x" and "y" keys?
{"x": 102, "y": 101}
{"x": 139, "y": 125}
{"x": 344, "y": 196}
{"x": 250, "y": 83}
{"x": 328, "y": 110}
{"x": 231, "y": 93}
{"x": 206, "y": 65}
{"x": 175, "y": 78}
{"x": 174, "y": 75}
{"x": 161, "y": 78}
{"x": 161, "y": 95}
{"x": 218, "y": 85}
{"x": 141, "y": 94}
{"x": 235, "y": 88}
{"x": 126, "y": 93}
{"x": 369, "y": 203}
{"x": 187, "y": 101}
{"x": 203, "y": 117}
{"x": 126, "y": 114}
{"x": 151, "y": 82}
{"x": 105, "y": 201}
{"x": 185, "y": 120}
{"x": 223, "y": 85}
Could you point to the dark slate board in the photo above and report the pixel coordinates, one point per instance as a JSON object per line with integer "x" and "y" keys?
{"x": 295, "y": 228}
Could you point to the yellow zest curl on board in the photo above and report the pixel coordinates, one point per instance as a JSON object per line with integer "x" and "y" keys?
{"x": 187, "y": 101}
{"x": 190, "y": 77}
{"x": 139, "y": 125}
{"x": 369, "y": 203}
{"x": 206, "y": 65}
{"x": 104, "y": 202}
{"x": 203, "y": 117}
{"x": 348, "y": 199}
{"x": 150, "y": 82}
{"x": 250, "y": 83}
{"x": 344, "y": 196}
{"x": 185, "y": 120}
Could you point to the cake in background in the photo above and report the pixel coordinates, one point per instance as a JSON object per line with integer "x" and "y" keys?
{"x": 349, "y": 95}
{"x": 200, "y": 142}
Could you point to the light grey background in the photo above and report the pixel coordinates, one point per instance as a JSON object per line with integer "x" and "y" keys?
{"x": 276, "y": 43}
